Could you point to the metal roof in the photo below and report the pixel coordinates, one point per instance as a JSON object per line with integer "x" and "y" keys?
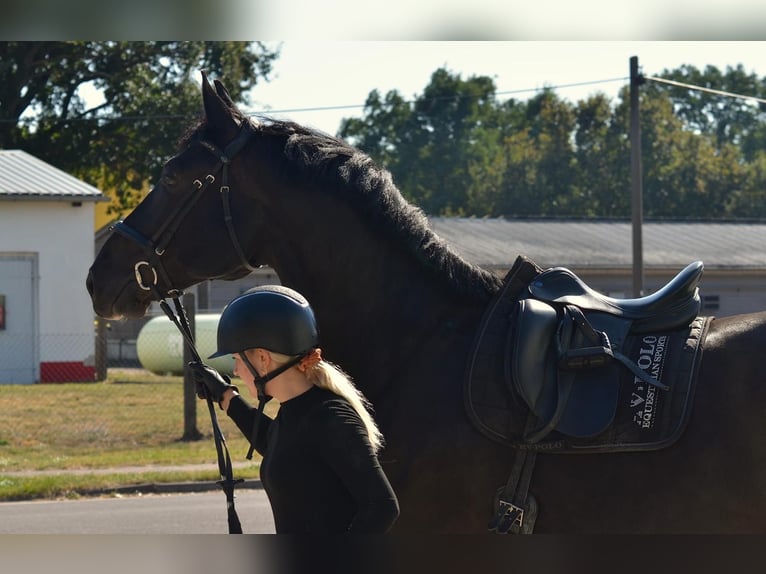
{"x": 495, "y": 243}
{"x": 25, "y": 177}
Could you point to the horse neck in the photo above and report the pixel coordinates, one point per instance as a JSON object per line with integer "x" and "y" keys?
{"x": 376, "y": 303}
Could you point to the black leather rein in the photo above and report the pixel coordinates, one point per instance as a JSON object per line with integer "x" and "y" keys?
{"x": 155, "y": 248}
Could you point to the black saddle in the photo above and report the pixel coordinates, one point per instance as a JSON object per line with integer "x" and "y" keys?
{"x": 571, "y": 346}
{"x": 676, "y": 303}
{"x": 557, "y": 367}
{"x": 572, "y": 355}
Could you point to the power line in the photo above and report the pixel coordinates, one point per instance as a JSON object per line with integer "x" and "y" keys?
{"x": 703, "y": 89}
{"x": 503, "y": 93}
{"x": 361, "y": 106}
{"x": 316, "y": 108}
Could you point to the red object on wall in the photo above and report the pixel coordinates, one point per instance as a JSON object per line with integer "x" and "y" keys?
{"x": 66, "y": 372}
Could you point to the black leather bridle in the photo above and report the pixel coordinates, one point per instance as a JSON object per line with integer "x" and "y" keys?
{"x": 155, "y": 247}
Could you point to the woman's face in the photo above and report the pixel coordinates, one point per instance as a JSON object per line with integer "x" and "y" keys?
{"x": 243, "y": 372}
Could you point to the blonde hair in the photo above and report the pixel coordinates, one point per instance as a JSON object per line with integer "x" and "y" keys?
{"x": 330, "y": 377}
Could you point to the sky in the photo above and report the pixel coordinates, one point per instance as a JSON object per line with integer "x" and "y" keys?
{"x": 390, "y": 20}
{"x": 317, "y": 83}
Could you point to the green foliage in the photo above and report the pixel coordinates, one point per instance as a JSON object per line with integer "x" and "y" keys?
{"x": 149, "y": 89}
{"x": 457, "y": 150}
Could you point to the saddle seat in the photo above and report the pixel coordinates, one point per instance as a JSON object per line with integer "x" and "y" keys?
{"x": 676, "y": 303}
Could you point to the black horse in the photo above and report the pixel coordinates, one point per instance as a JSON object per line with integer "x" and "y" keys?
{"x": 399, "y": 310}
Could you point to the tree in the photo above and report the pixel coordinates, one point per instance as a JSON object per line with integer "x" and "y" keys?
{"x": 380, "y": 132}
{"x": 602, "y": 180}
{"x": 725, "y": 119}
{"x": 749, "y": 201}
{"x": 701, "y": 160}
{"x": 149, "y": 89}
{"x": 436, "y": 145}
{"x": 540, "y": 174}
{"x": 457, "y": 150}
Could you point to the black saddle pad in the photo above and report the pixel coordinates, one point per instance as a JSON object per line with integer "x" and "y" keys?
{"x": 644, "y": 417}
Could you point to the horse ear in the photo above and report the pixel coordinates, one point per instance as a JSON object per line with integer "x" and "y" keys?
{"x": 224, "y": 93}
{"x": 217, "y": 110}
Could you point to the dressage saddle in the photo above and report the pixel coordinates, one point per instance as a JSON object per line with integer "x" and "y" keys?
{"x": 570, "y": 346}
{"x": 573, "y": 358}
{"x": 557, "y": 367}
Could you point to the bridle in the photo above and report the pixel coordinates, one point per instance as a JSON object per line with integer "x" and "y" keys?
{"x": 155, "y": 247}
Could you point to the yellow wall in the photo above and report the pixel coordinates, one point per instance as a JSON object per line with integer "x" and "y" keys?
{"x": 102, "y": 215}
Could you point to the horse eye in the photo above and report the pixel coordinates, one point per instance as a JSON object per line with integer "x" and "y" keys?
{"x": 168, "y": 180}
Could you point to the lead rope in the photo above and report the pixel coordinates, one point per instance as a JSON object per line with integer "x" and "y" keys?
{"x": 227, "y": 482}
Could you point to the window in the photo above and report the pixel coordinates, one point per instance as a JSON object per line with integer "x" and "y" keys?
{"x": 710, "y": 302}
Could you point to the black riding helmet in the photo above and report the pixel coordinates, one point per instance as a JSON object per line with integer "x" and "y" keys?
{"x": 270, "y": 317}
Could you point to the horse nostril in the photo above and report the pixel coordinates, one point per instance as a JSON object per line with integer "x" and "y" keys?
{"x": 89, "y": 282}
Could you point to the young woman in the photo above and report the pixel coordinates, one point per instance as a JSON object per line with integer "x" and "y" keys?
{"x": 320, "y": 468}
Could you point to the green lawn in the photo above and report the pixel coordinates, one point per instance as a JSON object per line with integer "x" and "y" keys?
{"x": 132, "y": 418}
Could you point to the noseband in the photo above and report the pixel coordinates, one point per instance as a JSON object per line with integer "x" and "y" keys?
{"x": 156, "y": 246}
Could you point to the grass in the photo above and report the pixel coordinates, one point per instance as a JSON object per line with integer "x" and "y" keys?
{"x": 134, "y": 418}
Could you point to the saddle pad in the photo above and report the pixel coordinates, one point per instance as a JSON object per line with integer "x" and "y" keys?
{"x": 646, "y": 417}
{"x": 649, "y": 418}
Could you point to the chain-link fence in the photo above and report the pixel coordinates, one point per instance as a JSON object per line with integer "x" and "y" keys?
{"x": 152, "y": 343}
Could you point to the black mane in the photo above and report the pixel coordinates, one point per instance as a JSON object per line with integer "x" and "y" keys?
{"x": 311, "y": 157}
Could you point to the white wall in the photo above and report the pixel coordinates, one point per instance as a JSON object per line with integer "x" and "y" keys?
{"x": 62, "y": 236}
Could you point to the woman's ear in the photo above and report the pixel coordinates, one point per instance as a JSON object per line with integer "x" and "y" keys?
{"x": 265, "y": 357}
{"x": 259, "y": 358}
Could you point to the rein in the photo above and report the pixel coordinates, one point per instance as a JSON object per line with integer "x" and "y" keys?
{"x": 155, "y": 248}
{"x": 227, "y": 482}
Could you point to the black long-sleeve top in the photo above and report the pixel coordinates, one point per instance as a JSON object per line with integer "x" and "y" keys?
{"x": 319, "y": 470}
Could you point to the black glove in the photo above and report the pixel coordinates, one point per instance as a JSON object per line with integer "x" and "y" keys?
{"x": 209, "y": 382}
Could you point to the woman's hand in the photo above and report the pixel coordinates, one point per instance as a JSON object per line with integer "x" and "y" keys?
{"x": 211, "y": 383}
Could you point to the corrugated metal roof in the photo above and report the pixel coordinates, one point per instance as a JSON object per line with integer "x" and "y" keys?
{"x": 495, "y": 243}
{"x": 25, "y": 177}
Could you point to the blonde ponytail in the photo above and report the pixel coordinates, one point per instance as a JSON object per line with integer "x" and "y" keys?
{"x": 330, "y": 377}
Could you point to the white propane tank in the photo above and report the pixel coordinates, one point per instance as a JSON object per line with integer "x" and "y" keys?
{"x": 159, "y": 345}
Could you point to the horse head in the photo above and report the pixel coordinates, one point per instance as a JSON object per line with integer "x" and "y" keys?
{"x": 157, "y": 250}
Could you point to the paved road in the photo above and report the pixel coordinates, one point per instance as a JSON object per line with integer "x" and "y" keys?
{"x": 190, "y": 513}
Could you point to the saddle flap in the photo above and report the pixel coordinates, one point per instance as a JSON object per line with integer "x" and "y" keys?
{"x": 534, "y": 360}
{"x": 584, "y": 401}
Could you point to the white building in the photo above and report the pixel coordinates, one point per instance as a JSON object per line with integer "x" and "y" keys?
{"x": 46, "y": 248}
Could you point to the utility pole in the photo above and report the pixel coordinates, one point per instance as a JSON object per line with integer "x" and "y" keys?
{"x": 636, "y": 179}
